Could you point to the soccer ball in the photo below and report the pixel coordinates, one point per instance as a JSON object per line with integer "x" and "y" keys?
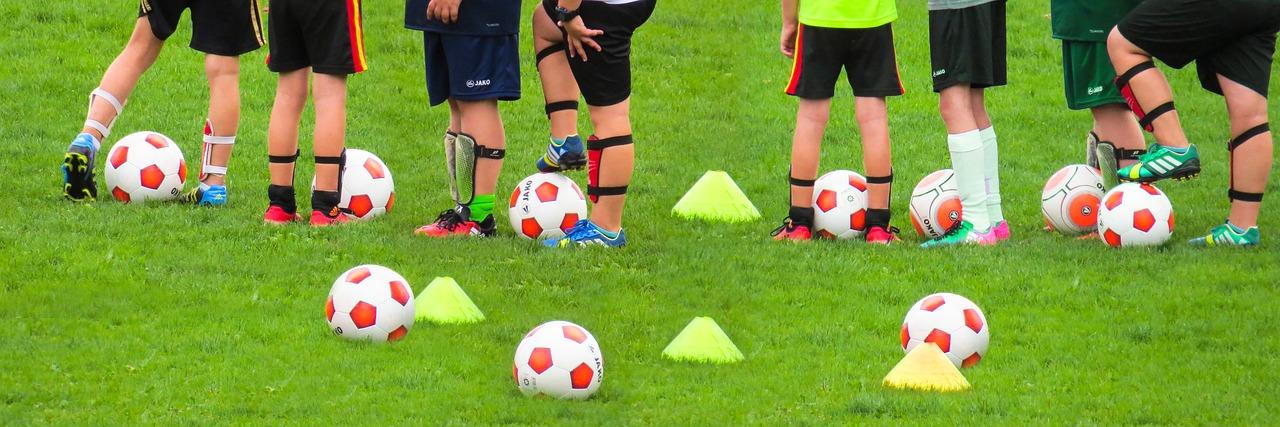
{"x": 558, "y": 359}
{"x": 367, "y": 188}
{"x": 935, "y": 204}
{"x": 1070, "y": 199}
{"x": 1135, "y": 215}
{"x": 145, "y": 166}
{"x": 953, "y": 323}
{"x": 544, "y": 205}
{"x": 370, "y": 302}
{"x": 840, "y": 204}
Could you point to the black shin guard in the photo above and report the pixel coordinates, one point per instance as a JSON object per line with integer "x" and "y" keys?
{"x": 326, "y": 202}
{"x": 284, "y": 197}
{"x": 1245, "y": 136}
{"x": 801, "y": 216}
{"x": 595, "y": 153}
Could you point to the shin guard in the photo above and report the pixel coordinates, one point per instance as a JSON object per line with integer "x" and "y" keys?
{"x": 104, "y": 129}
{"x": 1245, "y": 136}
{"x": 340, "y": 160}
{"x": 595, "y": 152}
{"x": 467, "y": 152}
{"x": 1145, "y": 118}
{"x": 206, "y": 153}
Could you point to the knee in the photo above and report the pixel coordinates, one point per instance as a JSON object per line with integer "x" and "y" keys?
{"x": 1116, "y": 43}
{"x": 951, "y": 108}
{"x": 816, "y": 113}
{"x": 219, "y": 67}
{"x": 871, "y": 115}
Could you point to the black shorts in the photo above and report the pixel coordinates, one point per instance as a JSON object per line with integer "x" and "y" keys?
{"x": 219, "y": 27}
{"x": 325, "y": 35}
{"x": 967, "y": 46}
{"x": 605, "y": 77}
{"x": 1234, "y": 38}
{"x": 471, "y": 68}
{"x": 865, "y": 54}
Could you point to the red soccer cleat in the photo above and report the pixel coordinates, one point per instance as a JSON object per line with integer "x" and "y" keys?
{"x": 277, "y": 216}
{"x": 334, "y": 217}
{"x": 789, "y": 230}
{"x": 453, "y": 223}
{"x": 882, "y": 236}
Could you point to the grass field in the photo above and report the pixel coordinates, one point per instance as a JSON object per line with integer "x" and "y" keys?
{"x": 167, "y": 314}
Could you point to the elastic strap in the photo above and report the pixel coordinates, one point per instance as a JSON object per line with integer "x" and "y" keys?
{"x": 550, "y": 50}
{"x": 1127, "y": 154}
{"x": 561, "y": 106}
{"x": 801, "y": 182}
{"x": 105, "y": 130}
{"x": 285, "y": 159}
{"x": 1155, "y": 113}
{"x": 1233, "y": 194}
{"x": 606, "y": 191}
{"x": 1123, "y": 79}
{"x": 1247, "y": 135}
{"x": 887, "y": 179}
{"x": 483, "y": 152}
{"x": 612, "y": 141}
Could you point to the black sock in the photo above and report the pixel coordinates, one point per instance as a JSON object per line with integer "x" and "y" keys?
{"x": 877, "y": 218}
{"x": 801, "y": 216}
{"x": 324, "y": 201}
{"x": 282, "y": 196}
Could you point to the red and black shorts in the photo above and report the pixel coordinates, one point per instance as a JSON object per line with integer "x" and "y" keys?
{"x": 219, "y": 27}
{"x": 605, "y": 77}
{"x": 865, "y": 54}
{"x": 325, "y": 35}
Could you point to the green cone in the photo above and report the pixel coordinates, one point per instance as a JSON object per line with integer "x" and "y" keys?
{"x": 444, "y": 302}
{"x": 716, "y": 197}
{"x": 703, "y": 341}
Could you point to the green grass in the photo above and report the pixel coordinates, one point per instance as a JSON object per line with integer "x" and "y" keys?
{"x": 165, "y": 314}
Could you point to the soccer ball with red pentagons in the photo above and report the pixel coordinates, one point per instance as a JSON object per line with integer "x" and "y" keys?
{"x": 370, "y": 302}
{"x": 935, "y": 204}
{"x": 1135, "y": 214}
{"x": 145, "y": 166}
{"x": 1070, "y": 199}
{"x": 840, "y": 204}
{"x": 950, "y": 321}
{"x": 544, "y": 205}
{"x": 558, "y": 359}
{"x": 367, "y": 188}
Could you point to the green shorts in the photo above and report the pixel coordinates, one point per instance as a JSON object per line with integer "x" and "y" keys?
{"x": 1088, "y": 76}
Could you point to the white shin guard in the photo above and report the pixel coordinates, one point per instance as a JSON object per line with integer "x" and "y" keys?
{"x": 89, "y": 122}
{"x": 206, "y": 155}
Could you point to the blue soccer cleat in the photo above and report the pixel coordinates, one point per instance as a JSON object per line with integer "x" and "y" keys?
{"x": 586, "y": 233}
{"x": 207, "y": 195}
{"x": 566, "y": 154}
{"x": 77, "y": 169}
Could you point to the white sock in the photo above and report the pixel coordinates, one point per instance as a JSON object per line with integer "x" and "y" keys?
{"x": 991, "y": 163}
{"x": 967, "y": 160}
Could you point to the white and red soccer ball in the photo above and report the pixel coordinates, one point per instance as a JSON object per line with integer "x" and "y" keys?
{"x": 544, "y": 205}
{"x": 558, "y": 359}
{"x": 370, "y": 302}
{"x": 953, "y": 323}
{"x": 368, "y": 191}
{"x": 1071, "y": 198}
{"x": 840, "y": 205}
{"x": 145, "y": 166}
{"x": 1135, "y": 214}
{"x": 935, "y": 204}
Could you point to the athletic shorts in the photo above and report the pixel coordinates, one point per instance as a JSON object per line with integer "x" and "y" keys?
{"x": 967, "y": 46}
{"x": 219, "y": 27}
{"x": 472, "y": 68}
{"x": 1088, "y": 75}
{"x": 865, "y": 54}
{"x": 605, "y": 77}
{"x": 325, "y": 35}
{"x": 1234, "y": 38}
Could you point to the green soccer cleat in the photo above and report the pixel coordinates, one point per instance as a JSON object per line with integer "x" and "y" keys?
{"x": 1161, "y": 162}
{"x": 962, "y": 234}
{"x": 1228, "y": 234}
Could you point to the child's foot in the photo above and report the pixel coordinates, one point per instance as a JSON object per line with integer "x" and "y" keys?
{"x": 587, "y": 233}
{"x": 882, "y": 236}
{"x": 278, "y": 216}
{"x": 790, "y": 230}
{"x": 1161, "y": 162}
{"x": 78, "y": 183}
{"x": 1001, "y": 231}
{"x": 568, "y": 154}
{"x": 206, "y": 195}
{"x": 962, "y": 234}
{"x": 452, "y": 222}
{"x": 1228, "y": 234}
{"x": 324, "y": 219}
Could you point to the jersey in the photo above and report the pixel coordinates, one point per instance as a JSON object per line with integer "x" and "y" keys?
{"x": 475, "y": 17}
{"x": 1087, "y": 20}
{"x": 955, "y": 4}
{"x": 847, "y": 13}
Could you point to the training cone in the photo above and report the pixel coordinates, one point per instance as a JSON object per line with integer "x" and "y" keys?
{"x": 925, "y": 368}
{"x": 703, "y": 341}
{"x": 444, "y": 302}
{"x": 716, "y": 197}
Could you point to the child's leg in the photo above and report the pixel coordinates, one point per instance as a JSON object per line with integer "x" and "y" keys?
{"x": 559, "y": 90}
{"x": 1148, "y": 87}
{"x": 331, "y": 128}
{"x": 223, "y": 73}
{"x": 967, "y": 157}
{"x": 122, "y": 76}
{"x": 612, "y": 122}
{"x": 806, "y": 147}
{"x": 481, "y": 121}
{"x": 1250, "y": 151}
{"x": 282, "y": 134}
{"x": 990, "y": 154}
{"x": 873, "y": 123}
{"x": 1114, "y": 123}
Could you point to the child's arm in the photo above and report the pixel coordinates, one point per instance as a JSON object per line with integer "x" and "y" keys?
{"x": 789, "y": 21}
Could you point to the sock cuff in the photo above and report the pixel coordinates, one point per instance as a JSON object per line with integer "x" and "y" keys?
{"x": 988, "y": 134}
{"x": 964, "y": 141}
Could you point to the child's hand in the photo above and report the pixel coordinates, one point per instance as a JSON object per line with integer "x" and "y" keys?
{"x": 445, "y": 11}
{"x": 788, "y": 40}
{"x": 580, "y": 38}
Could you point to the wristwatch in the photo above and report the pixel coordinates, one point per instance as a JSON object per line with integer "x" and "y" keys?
{"x": 565, "y": 15}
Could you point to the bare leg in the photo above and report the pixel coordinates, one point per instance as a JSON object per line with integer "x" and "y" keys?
{"x": 481, "y": 120}
{"x": 1116, "y": 124}
{"x": 978, "y": 105}
{"x": 1251, "y": 160}
{"x": 331, "y": 126}
{"x": 223, "y": 73}
{"x": 123, "y": 74}
{"x": 282, "y": 132}
{"x": 1150, "y": 87}
{"x": 616, "y": 163}
{"x": 873, "y": 124}
{"x": 956, "y": 107}
{"x": 557, "y": 80}
{"x": 806, "y": 146}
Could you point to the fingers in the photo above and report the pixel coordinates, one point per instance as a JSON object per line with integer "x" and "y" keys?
{"x": 590, "y": 43}
{"x": 575, "y": 46}
{"x": 431, "y": 10}
{"x": 451, "y": 14}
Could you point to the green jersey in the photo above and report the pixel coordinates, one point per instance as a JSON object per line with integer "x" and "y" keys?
{"x": 1088, "y": 20}
{"x": 847, "y": 13}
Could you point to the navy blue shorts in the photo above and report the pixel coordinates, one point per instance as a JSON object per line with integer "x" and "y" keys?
{"x": 471, "y": 68}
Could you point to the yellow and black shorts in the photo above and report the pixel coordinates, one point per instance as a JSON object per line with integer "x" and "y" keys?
{"x": 219, "y": 27}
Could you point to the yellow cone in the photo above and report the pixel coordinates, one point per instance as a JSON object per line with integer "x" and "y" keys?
{"x": 716, "y": 197}
{"x": 925, "y": 368}
{"x": 703, "y": 341}
{"x": 443, "y": 301}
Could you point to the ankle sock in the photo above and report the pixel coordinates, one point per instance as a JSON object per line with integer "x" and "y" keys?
{"x": 481, "y": 207}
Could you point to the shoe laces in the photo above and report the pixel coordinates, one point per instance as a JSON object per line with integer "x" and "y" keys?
{"x": 953, "y": 229}
{"x": 580, "y": 230}
{"x": 449, "y": 219}
{"x": 787, "y": 225}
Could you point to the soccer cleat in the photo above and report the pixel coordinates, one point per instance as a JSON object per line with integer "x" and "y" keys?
{"x": 1228, "y": 234}
{"x": 214, "y": 195}
{"x": 962, "y": 234}
{"x": 78, "y": 183}
{"x": 1001, "y": 231}
{"x": 568, "y": 154}
{"x": 1161, "y": 162}
{"x": 882, "y": 236}
{"x": 456, "y": 222}
{"x": 325, "y": 219}
{"x": 587, "y": 233}
{"x": 789, "y": 230}
{"x": 276, "y": 215}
